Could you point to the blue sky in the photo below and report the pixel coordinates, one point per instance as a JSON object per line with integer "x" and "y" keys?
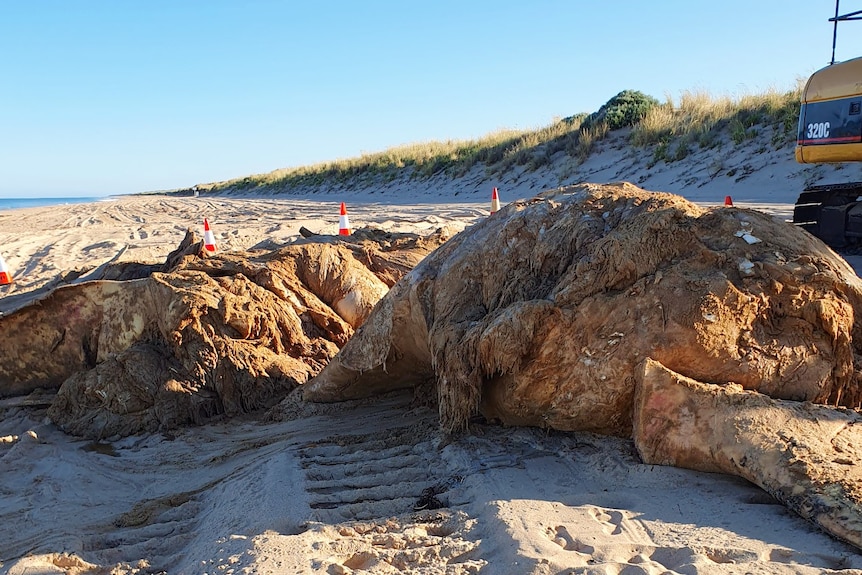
{"x": 107, "y": 97}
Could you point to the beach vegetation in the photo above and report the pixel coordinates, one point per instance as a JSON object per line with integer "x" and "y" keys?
{"x": 667, "y": 130}
{"x": 622, "y": 111}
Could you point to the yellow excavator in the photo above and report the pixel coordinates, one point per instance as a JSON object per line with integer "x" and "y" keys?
{"x": 830, "y": 130}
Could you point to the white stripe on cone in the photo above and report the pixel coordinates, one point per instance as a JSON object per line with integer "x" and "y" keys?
{"x": 209, "y": 238}
{"x": 5, "y": 276}
{"x": 495, "y": 202}
{"x": 343, "y": 222}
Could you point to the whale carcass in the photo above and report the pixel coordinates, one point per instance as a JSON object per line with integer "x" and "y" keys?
{"x": 720, "y": 339}
{"x": 150, "y": 348}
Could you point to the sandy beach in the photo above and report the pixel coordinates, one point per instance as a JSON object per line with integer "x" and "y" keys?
{"x": 78, "y": 238}
{"x": 345, "y": 488}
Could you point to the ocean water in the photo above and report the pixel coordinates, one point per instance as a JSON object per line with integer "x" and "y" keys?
{"x": 15, "y": 203}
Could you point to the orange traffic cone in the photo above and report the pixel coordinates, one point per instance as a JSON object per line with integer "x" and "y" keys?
{"x": 728, "y": 201}
{"x": 495, "y": 202}
{"x": 5, "y": 276}
{"x": 343, "y": 222}
{"x": 209, "y": 238}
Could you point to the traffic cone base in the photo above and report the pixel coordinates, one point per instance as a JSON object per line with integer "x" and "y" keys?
{"x": 209, "y": 238}
{"x": 343, "y": 222}
{"x": 495, "y": 201}
{"x": 5, "y": 276}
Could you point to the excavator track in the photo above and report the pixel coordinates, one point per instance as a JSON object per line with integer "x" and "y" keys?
{"x": 832, "y": 212}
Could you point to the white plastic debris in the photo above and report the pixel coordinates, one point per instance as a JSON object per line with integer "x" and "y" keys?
{"x": 750, "y": 239}
{"x": 746, "y": 268}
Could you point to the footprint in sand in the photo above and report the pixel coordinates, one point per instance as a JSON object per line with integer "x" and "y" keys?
{"x": 625, "y": 556}
{"x": 561, "y": 536}
{"x": 613, "y": 521}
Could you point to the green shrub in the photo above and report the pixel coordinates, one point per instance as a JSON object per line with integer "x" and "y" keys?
{"x": 681, "y": 151}
{"x": 576, "y": 120}
{"x": 659, "y": 154}
{"x": 622, "y": 111}
{"x": 738, "y": 131}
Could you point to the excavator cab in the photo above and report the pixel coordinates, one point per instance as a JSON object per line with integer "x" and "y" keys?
{"x": 830, "y": 130}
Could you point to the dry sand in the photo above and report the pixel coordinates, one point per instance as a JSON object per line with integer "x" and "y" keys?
{"x": 346, "y": 488}
{"x": 41, "y": 245}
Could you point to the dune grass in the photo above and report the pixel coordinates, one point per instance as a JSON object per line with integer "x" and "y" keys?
{"x": 673, "y": 129}
{"x": 700, "y": 120}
